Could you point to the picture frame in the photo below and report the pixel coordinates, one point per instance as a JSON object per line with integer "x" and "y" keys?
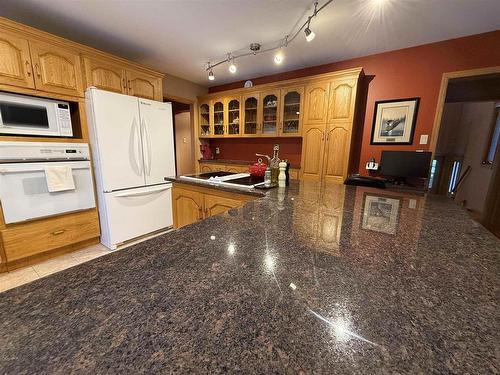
{"x": 394, "y": 121}
{"x": 380, "y": 213}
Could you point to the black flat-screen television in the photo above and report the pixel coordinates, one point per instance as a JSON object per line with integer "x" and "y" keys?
{"x": 403, "y": 165}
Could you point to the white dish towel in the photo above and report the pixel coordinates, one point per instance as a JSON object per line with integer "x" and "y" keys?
{"x": 59, "y": 178}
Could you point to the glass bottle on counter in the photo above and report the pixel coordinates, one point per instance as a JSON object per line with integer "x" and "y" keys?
{"x": 275, "y": 164}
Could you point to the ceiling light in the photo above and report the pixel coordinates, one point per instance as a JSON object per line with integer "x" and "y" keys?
{"x": 309, "y": 34}
{"x": 278, "y": 58}
{"x": 211, "y": 76}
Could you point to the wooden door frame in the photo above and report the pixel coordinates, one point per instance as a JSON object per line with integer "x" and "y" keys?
{"x": 192, "y": 122}
{"x": 495, "y": 180}
{"x": 442, "y": 96}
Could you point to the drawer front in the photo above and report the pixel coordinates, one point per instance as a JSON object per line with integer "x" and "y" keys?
{"x": 23, "y": 240}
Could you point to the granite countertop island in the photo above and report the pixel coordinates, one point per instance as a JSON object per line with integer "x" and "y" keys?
{"x": 309, "y": 279}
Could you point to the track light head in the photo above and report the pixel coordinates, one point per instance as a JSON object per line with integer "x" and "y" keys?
{"x": 232, "y": 68}
{"x": 211, "y": 75}
{"x": 278, "y": 58}
{"x": 309, "y": 34}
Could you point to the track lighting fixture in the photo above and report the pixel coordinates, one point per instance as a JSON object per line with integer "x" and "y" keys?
{"x": 309, "y": 34}
{"x": 257, "y": 48}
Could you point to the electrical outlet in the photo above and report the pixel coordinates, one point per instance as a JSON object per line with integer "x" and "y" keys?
{"x": 424, "y": 138}
{"x": 184, "y": 140}
{"x": 217, "y": 151}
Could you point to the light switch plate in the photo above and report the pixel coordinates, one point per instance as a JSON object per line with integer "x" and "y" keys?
{"x": 424, "y": 138}
{"x": 217, "y": 151}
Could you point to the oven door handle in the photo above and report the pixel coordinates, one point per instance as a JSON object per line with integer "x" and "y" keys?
{"x": 19, "y": 169}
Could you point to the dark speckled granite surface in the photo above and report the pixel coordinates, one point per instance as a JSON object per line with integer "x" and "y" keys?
{"x": 309, "y": 280}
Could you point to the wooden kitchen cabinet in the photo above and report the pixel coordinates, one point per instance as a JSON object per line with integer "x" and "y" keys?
{"x": 233, "y": 116}
{"x": 215, "y": 205}
{"x": 144, "y": 85}
{"x": 251, "y": 115}
{"x": 219, "y": 117}
{"x": 187, "y": 206}
{"x": 313, "y": 145}
{"x": 56, "y": 69}
{"x": 270, "y": 113}
{"x": 291, "y": 116}
{"x": 316, "y": 103}
{"x": 336, "y": 154}
{"x": 15, "y": 60}
{"x": 205, "y": 120}
{"x": 105, "y": 75}
{"x": 193, "y": 203}
{"x": 26, "y": 239}
{"x": 341, "y": 101}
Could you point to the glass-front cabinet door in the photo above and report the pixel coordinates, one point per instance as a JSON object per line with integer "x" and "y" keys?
{"x": 291, "y": 113}
{"x": 270, "y": 113}
{"x": 205, "y": 120}
{"x": 251, "y": 114}
{"x": 233, "y": 116}
{"x": 219, "y": 123}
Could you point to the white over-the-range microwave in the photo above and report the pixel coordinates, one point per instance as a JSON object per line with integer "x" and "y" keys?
{"x": 28, "y": 115}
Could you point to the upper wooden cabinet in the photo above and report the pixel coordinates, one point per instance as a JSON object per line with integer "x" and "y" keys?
{"x": 105, "y": 75}
{"x": 342, "y": 100}
{"x": 32, "y": 59}
{"x": 219, "y": 117}
{"x": 316, "y": 98}
{"x": 144, "y": 85}
{"x": 270, "y": 112}
{"x": 15, "y": 61}
{"x": 292, "y": 102}
{"x": 56, "y": 69}
{"x": 205, "y": 122}
{"x": 233, "y": 105}
{"x": 251, "y": 114}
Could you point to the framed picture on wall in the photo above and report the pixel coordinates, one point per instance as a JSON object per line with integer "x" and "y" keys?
{"x": 394, "y": 121}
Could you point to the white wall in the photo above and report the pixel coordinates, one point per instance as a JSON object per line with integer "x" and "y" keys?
{"x": 180, "y": 88}
{"x": 475, "y": 123}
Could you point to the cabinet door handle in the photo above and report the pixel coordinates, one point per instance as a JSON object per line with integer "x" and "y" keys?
{"x": 322, "y": 136}
{"x": 37, "y": 69}
{"x": 129, "y": 85}
{"x": 28, "y": 68}
{"x": 58, "y": 232}
{"x": 200, "y": 213}
{"x": 124, "y": 83}
{"x": 327, "y": 136}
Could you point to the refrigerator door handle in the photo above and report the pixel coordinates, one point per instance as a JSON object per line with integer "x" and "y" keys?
{"x": 134, "y": 146}
{"x": 144, "y": 192}
{"x": 146, "y": 144}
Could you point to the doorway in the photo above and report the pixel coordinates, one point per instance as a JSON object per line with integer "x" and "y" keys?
{"x": 466, "y": 148}
{"x": 182, "y": 113}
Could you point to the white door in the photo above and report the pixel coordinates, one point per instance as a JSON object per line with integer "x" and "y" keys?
{"x": 136, "y": 212}
{"x": 25, "y": 196}
{"x": 157, "y": 140}
{"x": 116, "y": 139}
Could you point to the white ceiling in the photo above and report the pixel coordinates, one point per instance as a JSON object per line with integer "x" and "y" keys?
{"x": 179, "y": 36}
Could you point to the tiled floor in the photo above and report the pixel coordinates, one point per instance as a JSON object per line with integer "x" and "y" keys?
{"x": 24, "y": 275}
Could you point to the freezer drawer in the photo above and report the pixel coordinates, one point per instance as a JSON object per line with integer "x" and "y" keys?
{"x": 25, "y": 196}
{"x": 132, "y": 213}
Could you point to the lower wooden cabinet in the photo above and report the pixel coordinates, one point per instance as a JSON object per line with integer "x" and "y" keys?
{"x": 187, "y": 206}
{"x": 26, "y": 239}
{"x": 215, "y": 205}
{"x": 194, "y": 203}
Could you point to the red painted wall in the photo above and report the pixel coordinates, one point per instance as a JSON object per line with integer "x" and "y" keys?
{"x": 410, "y": 72}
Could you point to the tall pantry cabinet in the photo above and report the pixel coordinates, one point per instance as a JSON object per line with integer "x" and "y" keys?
{"x": 328, "y": 128}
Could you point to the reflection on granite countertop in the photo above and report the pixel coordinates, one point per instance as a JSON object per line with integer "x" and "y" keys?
{"x": 309, "y": 279}
{"x": 258, "y": 193}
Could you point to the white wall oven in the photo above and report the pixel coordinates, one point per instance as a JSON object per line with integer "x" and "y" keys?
{"x": 26, "y": 169}
{"x": 28, "y": 115}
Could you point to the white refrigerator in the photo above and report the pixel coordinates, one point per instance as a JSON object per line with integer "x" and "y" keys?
{"x": 132, "y": 144}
